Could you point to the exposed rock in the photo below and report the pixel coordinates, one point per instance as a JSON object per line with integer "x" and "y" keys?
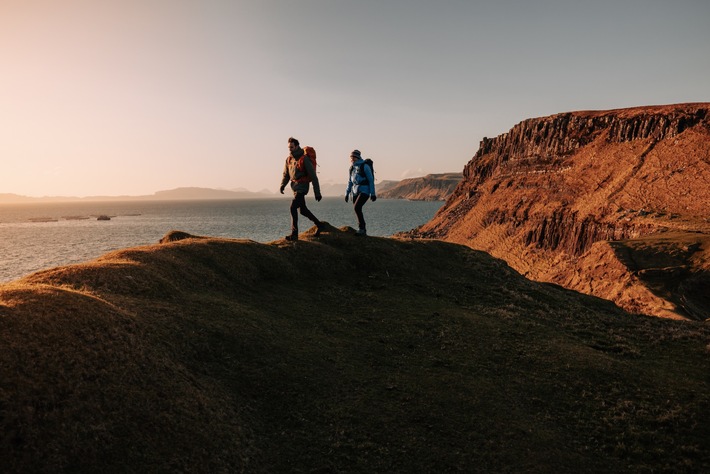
{"x": 542, "y": 195}
{"x": 432, "y": 187}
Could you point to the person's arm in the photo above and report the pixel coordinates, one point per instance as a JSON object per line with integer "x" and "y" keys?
{"x": 285, "y": 178}
{"x": 312, "y": 173}
{"x": 349, "y": 189}
{"x": 370, "y": 181}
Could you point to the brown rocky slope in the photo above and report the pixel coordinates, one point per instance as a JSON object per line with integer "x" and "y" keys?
{"x": 611, "y": 203}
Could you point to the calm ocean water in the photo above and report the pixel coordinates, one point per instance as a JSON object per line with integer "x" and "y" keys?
{"x": 37, "y": 236}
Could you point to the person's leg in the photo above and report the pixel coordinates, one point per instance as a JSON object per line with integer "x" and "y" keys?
{"x": 307, "y": 213}
{"x": 295, "y": 205}
{"x": 299, "y": 204}
{"x": 360, "y": 201}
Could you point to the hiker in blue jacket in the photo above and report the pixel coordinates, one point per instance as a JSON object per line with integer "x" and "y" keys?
{"x": 361, "y": 184}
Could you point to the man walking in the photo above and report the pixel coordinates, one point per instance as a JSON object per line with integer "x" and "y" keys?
{"x": 300, "y": 171}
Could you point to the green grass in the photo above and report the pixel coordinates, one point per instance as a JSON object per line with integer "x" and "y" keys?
{"x": 340, "y": 354}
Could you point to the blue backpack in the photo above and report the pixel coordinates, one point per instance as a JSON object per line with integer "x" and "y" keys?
{"x": 362, "y": 176}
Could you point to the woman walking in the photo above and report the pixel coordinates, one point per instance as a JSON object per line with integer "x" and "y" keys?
{"x": 361, "y": 184}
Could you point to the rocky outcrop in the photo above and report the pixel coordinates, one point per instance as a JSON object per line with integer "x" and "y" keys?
{"x": 432, "y": 187}
{"x": 543, "y": 194}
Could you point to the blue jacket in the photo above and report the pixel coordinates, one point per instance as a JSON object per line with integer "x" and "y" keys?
{"x": 359, "y": 184}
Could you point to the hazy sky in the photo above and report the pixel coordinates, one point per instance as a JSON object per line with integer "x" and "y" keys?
{"x": 103, "y": 97}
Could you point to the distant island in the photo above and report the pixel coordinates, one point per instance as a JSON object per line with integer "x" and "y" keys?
{"x": 177, "y": 194}
{"x": 438, "y": 187}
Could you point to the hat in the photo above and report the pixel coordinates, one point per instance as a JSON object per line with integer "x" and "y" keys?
{"x": 355, "y": 154}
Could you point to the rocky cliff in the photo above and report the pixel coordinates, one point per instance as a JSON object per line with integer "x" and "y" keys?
{"x": 432, "y": 187}
{"x": 551, "y": 195}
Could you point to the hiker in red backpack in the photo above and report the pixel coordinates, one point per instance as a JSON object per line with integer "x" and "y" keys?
{"x": 300, "y": 170}
{"x": 361, "y": 184}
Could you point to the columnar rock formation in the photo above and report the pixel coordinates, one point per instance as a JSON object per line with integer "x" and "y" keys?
{"x": 612, "y": 203}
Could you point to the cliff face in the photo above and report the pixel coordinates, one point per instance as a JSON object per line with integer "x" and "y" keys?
{"x": 543, "y": 195}
{"x": 432, "y": 187}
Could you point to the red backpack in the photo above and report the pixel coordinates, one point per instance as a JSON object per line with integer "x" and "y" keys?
{"x": 310, "y": 152}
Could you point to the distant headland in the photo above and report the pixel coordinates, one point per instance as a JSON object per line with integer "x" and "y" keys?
{"x": 183, "y": 193}
{"x": 434, "y": 187}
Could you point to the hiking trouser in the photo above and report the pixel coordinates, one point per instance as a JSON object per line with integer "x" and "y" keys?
{"x": 299, "y": 202}
{"x": 359, "y": 201}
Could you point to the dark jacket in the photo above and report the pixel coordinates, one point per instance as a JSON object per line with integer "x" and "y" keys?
{"x": 293, "y": 173}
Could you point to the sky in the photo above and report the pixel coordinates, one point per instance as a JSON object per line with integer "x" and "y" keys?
{"x": 129, "y": 97}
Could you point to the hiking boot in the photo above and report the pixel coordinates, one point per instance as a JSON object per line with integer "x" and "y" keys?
{"x": 292, "y": 237}
{"x": 361, "y": 232}
{"x": 319, "y": 228}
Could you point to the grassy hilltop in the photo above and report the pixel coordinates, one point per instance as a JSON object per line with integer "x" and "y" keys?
{"x": 338, "y": 354}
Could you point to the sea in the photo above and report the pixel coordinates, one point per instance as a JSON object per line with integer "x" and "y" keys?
{"x": 40, "y": 235}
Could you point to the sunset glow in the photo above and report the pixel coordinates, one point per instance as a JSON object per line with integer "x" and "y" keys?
{"x": 131, "y": 97}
